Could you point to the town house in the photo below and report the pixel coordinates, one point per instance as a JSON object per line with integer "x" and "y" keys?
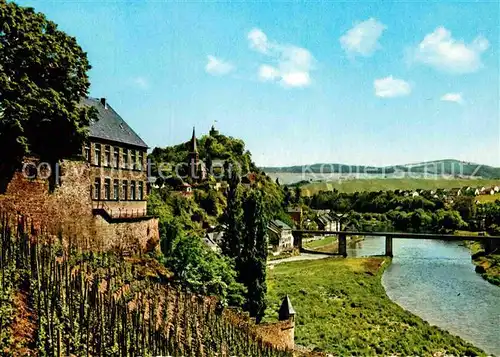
{"x": 118, "y": 164}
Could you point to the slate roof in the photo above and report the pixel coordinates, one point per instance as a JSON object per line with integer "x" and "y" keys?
{"x": 279, "y": 224}
{"x": 111, "y": 126}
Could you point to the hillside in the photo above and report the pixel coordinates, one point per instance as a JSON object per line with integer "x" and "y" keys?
{"x": 448, "y": 167}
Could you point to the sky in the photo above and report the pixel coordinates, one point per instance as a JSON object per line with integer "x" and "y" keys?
{"x": 373, "y": 83}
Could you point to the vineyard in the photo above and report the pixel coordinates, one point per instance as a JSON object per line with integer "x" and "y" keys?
{"x": 100, "y": 304}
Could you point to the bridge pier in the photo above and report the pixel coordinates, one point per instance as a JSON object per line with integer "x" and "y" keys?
{"x": 343, "y": 245}
{"x": 388, "y": 246}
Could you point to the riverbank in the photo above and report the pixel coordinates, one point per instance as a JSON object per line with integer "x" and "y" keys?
{"x": 342, "y": 308}
{"x": 486, "y": 265}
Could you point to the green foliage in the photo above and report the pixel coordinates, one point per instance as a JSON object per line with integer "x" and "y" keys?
{"x": 449, "y": 220}
{"x": 253, "y": 257}
{"x": 392, "y": 211}
{"x": 243, "y": 209}
{"x": 198, "y": 268}
{"x": 466, "y": 206}
{"x": 211, "y": 148}
{"x": 43, "y": 75}
{"x": 194, "y": 264}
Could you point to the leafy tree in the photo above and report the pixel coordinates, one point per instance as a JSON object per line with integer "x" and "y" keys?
{"x": 197, "y": 267}
{"x": 466, "y": 206}
{"x": 420, "y": 220}
{"x": 208, "y": 201}
{"x": 183, "y": 252}
{"x": 297, "y": 194}
{"x": 43, "y": 75}
{"x": 254, "y": 254}
{"x": 449, "y": 220}
{"x": 288, "y": 197}
{"x": 232, "y": 218}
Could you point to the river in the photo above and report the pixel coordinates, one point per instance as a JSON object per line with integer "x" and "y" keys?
{"x": 436, "y": 281}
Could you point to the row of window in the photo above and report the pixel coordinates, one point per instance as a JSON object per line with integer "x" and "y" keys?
{"x": 133, "y": 192}
{"x": 112, "y": 157}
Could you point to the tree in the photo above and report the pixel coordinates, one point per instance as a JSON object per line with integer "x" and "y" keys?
{"x": 232, "y": 218}
{"x": 254, "y": 255}
{"x": 43, "y": 76}
{"x": 466, "y": 206}
{"x": 447, "y": 221}
{"x": 288, "y": 197}
{"x": 297, "y": 194}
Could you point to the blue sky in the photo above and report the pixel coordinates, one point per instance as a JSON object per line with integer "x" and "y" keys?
{"x": 349, "y": 82}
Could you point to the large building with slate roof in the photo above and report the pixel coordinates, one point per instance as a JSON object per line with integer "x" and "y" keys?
{"x": 118, "y": 162}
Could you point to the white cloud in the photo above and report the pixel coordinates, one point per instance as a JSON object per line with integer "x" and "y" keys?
{"x": 296, "y": 79}
{"x": 218, "y": 67}
{"x": 268, "y": 73}
{"x": 363, "y": 38}
{"x": 390, "y": 87}
{"x": 141, "y": 82}
{"x": 453, "y": 97}
{"x": 440, "y": 50}
{"x": 291, "y": 64}
{"x": 258, "y": 40}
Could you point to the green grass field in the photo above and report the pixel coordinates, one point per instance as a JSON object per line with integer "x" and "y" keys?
{"x": 359, "y": 185}
{"x": 321, "y": 243}
{"x": 342, "y": 308}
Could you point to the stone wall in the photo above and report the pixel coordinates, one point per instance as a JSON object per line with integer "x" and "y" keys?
{"x": 281, "y": 334}
{"x": 68, "y": 211}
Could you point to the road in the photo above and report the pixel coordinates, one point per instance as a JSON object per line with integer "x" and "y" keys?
{"x": 302, "y": 256}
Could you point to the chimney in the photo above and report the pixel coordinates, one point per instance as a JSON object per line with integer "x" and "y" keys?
{"x": 103, "y": 102}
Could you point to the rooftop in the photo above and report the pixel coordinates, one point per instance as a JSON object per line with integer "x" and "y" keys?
{"x": 280, "y": 224}
{"x": 110, "y": 125}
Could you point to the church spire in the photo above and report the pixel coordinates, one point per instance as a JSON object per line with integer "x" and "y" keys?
{"x": 194, "y": 148}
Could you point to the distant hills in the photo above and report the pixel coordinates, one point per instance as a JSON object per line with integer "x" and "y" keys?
{"x": 448, "y": 167}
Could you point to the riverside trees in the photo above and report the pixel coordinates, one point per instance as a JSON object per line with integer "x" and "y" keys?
{"x": 388, "y": 211}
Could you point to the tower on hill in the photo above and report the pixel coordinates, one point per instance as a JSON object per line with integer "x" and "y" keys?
{"x": 213, "y": 131}
{"x": 195, "y": 168}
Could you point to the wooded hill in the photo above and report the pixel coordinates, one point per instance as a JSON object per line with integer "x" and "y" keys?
{"x": 211, "y": 148}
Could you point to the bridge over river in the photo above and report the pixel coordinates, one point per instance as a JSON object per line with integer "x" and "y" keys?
{"x": 491, "y": 243}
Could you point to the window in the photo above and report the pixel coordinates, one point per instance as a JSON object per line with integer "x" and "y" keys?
{"x": 124, "y": 158}
{"x": 107, "y": 155}
{"x": 115, "y": 190}
{"x": 133, "y": 159}
{"x": 107, "y": 189}
{"x": 132, "y": 190}
{"x": 116, "y": 155}
{"x": 97, "y": 155}
{"x": 86, "y": 153}
{"x": 139, "y": 165}
{"x": 124, "y": 190}
{"x": 97, "y": 188}
{"x": 141, "y": 192}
